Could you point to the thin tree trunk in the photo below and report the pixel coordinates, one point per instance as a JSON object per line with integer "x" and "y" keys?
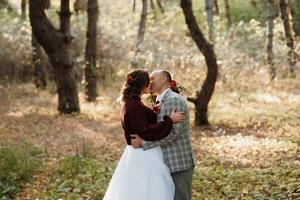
{"x": 57, "y": 44}
{"x": 289, "y": 32}
{"x": 159, "y": 4}
{"x": 141, "y": 32}
{"x": 271, "y": 15}
{"x": 204, "y": 95}
{"x": 37, "y": 55}
{"x": 47, "y": 4}
{"x": 209, "y": 6}
{"x": 39, "y": 67}
{"x": 23, "y": 8}
{"x": 227, "y": 11}
{"x": 91, "y": 51}
{"x": 216, "y": 6}
{"x": 152, "y": 5}
{"x": 142, "y": 26}
{"x": 65, "y": 17}
{"x": 134, "y": 5}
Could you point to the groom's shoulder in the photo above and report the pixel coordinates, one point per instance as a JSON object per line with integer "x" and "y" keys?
{"x": 175, "y": 97}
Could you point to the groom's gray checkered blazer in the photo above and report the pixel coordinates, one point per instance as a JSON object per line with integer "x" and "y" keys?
{"x": 176, "y": 147}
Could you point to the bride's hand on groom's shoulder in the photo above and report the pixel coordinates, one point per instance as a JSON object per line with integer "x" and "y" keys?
{"x": 136, "y": 141}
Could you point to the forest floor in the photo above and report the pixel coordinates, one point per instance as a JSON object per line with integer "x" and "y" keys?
{"x": 253, "y": 132}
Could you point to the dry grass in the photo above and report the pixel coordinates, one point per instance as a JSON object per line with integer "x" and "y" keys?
{"x": 29, "y": 114}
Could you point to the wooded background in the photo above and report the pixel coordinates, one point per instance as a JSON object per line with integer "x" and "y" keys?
{"x": 63, "y": 64}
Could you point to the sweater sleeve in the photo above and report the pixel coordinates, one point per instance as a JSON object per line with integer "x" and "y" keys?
{"x": 141, "y": 126}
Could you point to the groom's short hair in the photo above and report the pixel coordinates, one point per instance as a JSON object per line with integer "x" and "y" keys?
{"x": 167, "y": 75}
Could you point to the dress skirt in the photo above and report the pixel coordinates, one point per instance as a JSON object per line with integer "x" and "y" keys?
{"x": 141, "y": 175}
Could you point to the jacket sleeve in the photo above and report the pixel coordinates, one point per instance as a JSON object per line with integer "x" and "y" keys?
{"x": 140, "y": 124}
{"x": 176, "y": 129}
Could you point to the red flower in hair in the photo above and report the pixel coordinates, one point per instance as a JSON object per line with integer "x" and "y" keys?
{"x": 129, "y": 79}
{"x": 173, "y": 84}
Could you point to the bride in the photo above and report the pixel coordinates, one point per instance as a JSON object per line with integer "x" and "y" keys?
{"x": 142, "y": 175}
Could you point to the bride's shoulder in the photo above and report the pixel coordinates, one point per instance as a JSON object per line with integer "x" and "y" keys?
{"x": 134, "y": 105}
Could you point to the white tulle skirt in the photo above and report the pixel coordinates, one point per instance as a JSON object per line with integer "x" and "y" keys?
{"x": 141, "y": 175}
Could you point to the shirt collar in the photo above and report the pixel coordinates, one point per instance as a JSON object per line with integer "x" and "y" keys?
{"x": 160, "y": 97}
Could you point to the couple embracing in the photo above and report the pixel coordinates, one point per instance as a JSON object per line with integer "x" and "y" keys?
{"x": 158, "y": 161}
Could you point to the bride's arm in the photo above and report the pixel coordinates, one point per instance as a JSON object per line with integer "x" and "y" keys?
{"x": 150, "y": 132}
{"x": 176, "y": 129}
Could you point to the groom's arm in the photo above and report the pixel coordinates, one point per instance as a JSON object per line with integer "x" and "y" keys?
{"x": 176, "y": 129}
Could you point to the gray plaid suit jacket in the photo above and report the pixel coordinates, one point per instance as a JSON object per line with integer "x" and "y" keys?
{"x": 176, "y": 147}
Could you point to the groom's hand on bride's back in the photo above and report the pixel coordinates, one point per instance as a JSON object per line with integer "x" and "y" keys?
{"x": 136, "y": 141}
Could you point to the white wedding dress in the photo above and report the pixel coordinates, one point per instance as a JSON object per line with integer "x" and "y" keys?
{"x": 141, "y": 175}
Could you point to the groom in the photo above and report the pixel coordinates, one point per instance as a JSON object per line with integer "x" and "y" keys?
{"x": 176, "y": 147}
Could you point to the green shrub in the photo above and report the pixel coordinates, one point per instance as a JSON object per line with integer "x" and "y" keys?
{"x": 17, "y": 165}
{"x": 81, "y": 176}
{"x": 244, "y": 11}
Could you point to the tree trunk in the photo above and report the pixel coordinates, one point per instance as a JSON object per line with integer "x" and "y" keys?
{"x": 227, "y": 11}
{"x": 91, "y": 51}
{"x": 159, "y": 4}
{"x": 271, "y": 15}
{"x": 40, "y": 80}
{"x": 204, "y": 95}
{"x": 65, "y": 16}
{"x": 141, "y": 32}
{"x": 57, "y": 43}
{"x": 134, "y": 5}
{"x": 39, "y": 67}
{"x": 216, "y": 6}
{"x": 152, "y": 5}
{"x": 142, "y": 26}
{"x": 23, "y": 9}
{"x": 289, "y": 33}
{"x": 47, "y": 4}
{"x": 209, "y": 6}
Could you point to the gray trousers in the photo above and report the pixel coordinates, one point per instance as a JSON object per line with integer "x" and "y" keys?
{"x": 183, "y": 184}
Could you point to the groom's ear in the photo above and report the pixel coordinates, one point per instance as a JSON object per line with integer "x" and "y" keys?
{"x": 164, "y": 79}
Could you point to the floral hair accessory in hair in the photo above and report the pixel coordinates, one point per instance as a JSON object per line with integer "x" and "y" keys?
{"x": 176, "y": 87}
{"x": 129, "y": 79}
{"x": 173, "y": 84}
